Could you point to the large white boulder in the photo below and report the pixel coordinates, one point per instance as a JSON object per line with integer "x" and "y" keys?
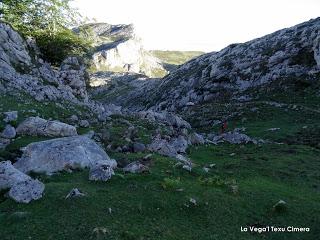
{"x": 36, "y": 126}
{"x": 23, "y": 188}
{"x": 61, "y": 154}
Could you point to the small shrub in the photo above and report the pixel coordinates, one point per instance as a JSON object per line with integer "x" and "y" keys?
{"x": 171, "y": 184}
{"x": 56, "y": 47}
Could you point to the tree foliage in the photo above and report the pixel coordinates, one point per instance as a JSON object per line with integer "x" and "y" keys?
{"x": 29, "y": 16}
{"x": 49, "y": 22}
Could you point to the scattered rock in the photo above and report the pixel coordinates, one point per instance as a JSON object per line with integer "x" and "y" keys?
{"x": 193, "y": 201}
{"x": 36, "y": 126}
{"x": 84, "y": 123}
{"x": 273, "y": 129}
{"x": 58, "y": 154}
{"x": 196, "y": 139}
{"x": 74, "y": 193}
{"x": 10, "y": 116}
{"x": 101, "y": 172}
{"x": 9, "y": 132}
{"x": 280, "y": 206}
{"x": 138, "y": 147}
{"x": 135, "y": 167}
{"x": 187, "y": 167}
{"x": 23, "y": 188}
{"x": 26, "y": 191}
{"x": 205, "y": 169}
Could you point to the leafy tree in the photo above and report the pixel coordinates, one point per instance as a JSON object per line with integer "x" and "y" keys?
{"x": 49, "y": 22}
{"x": 30, "y": 16}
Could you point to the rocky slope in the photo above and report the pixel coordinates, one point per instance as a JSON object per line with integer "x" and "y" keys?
{"x": 231, "y": 73}
{"x": 117, "y": 48}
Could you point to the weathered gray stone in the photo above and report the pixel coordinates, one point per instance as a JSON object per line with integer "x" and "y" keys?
{"x": 26, "y": 191}
{"x": 23, "y": 188}
{"x": 74, "y": 193}
{"x": 10, "y": 116}
{"x": 101, "y": 172}
{"x": 168, "y": 148}
{"x": 62, "y": 153}
{"x": 36, "y": 126}
{"x": 9, "y": 132}
{"x": 196, "y": 139}
{"x": 135, "y": 167}
{"x": 139, "y": 147}
{"x": 84, "y": 123}
{"x": 10, "y": 175}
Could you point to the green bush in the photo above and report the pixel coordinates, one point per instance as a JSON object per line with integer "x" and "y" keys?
{"x": 56, "y": 47}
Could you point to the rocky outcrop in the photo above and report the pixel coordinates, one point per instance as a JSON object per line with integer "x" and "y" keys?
{"x": 23, "y": 188}
{"x": 22, "y": 69}
{"x": 225, "y": 75}
{"x": 118, "y": 49}
{"x": 36, "y": 126}
{"x": 170, "y": 148}
{"x": 167, "y": 118}
{"x": 74, "y": 74}
{"x": 62, "y": 154}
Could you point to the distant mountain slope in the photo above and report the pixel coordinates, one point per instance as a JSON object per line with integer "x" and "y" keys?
{"x": 118, "y": 49}
{"x": 172, "y": 59}
{"x": 231, "y": 73}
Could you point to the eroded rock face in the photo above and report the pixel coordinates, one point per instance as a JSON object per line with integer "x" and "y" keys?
{"x": 118, "y": 49}
{"x": 36, "y": 126}
{"x": 13, "y": 50}
{"x": 74, "y": 74}
{"x": 23, "y": 188}
{"x": 22, "y": 69}
{"x": 291, "y": 52}
{"x": 62, "y": 153}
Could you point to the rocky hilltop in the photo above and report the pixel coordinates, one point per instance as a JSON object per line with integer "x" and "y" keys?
{"x": 232, "y": 72}
{"x": 118, "y": 49}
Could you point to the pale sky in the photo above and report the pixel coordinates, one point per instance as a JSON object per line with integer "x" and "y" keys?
{"x": 205, "y": 25}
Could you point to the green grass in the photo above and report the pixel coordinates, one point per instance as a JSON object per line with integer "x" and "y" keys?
{"x": 156, "y": 205}
{"x": 143, "y": 209}
{"x": 175, "y": 57}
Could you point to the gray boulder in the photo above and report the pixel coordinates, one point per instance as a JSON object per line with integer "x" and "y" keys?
{"x": 23, "y": 188}
{"x": 36, "y": 126}
{"x": 10, "y": 175}
{"x": 139, "y": 147}
{"x": 168, "y": 148}
{"x": 84, "y": 123}
{"x": 101, "y": 172}
{"x": 74, "y": 193}
{"x": 135, "y": 167}
{"x": 26, "y": 191}
{"x": 62, "y": 153}
{"x": 237, "y": 138}
{"x": 9, "y": 132}
{"x": 180, "y": 144}
{"x": 196, "y": 139}
{"x": 10, "y": 116}
{"x": 162, "y": 147}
